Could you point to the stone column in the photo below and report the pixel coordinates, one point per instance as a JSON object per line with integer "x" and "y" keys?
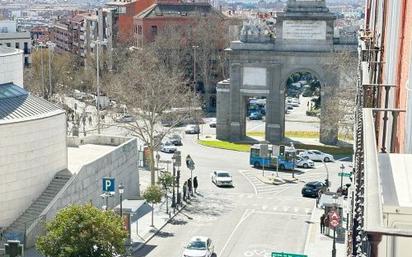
{"x": 235, "y": 99}
{"x": 275, "y": 106}
{"x": 223, "y": 110}
{"x": 329, "y": 127}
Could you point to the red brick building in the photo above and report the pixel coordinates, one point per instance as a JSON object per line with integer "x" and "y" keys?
{"x": 126, "y": 10}
{"x": 152, "y": 20}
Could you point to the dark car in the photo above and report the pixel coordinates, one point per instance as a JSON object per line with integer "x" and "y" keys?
{"x": 175, "y": 139}
{"x": 312, "y": 189}
{"x": 255, "y": 116}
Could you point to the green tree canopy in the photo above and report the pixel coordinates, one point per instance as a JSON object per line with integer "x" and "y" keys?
{"x": 153, "y": 194}
{"x": 83, "y": 231}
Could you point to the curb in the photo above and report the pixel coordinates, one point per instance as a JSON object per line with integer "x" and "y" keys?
{"x": 309, "y": 229}
{"x": 157, "y": 231}
{"x": 269, "y": 183}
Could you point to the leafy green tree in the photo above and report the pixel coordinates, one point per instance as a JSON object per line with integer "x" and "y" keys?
{"x": 83, "y": 230}
{"x": 153, "y": 195}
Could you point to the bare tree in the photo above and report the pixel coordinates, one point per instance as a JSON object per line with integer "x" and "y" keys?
{"x": 211, "y": 36}
{"x": 151, "y": 93}
{"x": 63, "y": 73}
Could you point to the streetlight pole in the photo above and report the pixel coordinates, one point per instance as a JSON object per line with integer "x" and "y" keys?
{"x": 49, "y": 46}
{"x": 194, "y": 85}
{"x": 327, "y": 174}
{"x": 121, "y": 191}
{"x": 42, "y": 66}
{"x": 191, "y": 165}
{"x": 173, "y": 185}
{"x": 98, "y": 86}
{"x": 342, "y": 167}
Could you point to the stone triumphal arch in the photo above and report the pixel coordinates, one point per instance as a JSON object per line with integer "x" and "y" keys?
{"x": 260, "y": 65}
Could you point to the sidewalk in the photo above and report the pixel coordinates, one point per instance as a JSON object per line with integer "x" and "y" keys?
{"x": 142, "y": 230}
{"x": 319, "y": 245}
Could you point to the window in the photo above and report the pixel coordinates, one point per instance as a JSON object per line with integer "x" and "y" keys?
{"x": 139, "y": 29}
{"x": 154, "y": 30}
{"x": 8, "y": 44}
{"x": 17, "y": 45}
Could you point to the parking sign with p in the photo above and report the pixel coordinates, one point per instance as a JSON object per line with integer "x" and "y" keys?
{"x": 108, "y": 185}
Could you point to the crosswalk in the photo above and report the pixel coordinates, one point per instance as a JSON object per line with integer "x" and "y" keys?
{"x": 260, "y": 187}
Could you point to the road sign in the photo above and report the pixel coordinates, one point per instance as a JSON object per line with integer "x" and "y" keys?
{"x": 108, "y": 185}
{"x": 264, "y": 151}
{"x": 344, "y": 174}
{"x": 281, "y": 254}
{"x": 334, "y": 219}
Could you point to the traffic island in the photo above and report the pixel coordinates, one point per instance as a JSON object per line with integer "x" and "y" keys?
{"x": 270, "y": 179}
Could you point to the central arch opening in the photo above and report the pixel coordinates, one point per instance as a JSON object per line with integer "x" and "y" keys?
{"x": 302, "y": 108}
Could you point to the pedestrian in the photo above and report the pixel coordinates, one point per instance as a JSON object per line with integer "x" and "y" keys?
{"x": 326, "y": 224}
{"x": 184, "y": 190}
{"x": 189, "y": 185}
{"x": 195, "y": 184}
{"x": 322, "y": 223}
{"x": 318, "y": 198}
{"x": 90, "y": 120}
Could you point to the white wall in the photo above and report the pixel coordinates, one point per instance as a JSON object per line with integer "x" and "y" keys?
{"x": 11, "y": 68}
{"x": 31, "y": 153}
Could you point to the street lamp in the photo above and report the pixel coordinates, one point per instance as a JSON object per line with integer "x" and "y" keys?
{"x": 195, "y": 84}
{"x": 97, "y": 43}
{"x": 342, "y": 167}
{"x": 121, "y": 191}
{"x": 50, "y": 45}
{"x": 293, "y": 158}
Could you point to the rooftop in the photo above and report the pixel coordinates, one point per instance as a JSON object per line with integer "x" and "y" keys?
{"x": 4, "y": 51}
{"x": 17, "y": 105}
{"x": 84, "y": 154}
{"x": 177, "y": 9}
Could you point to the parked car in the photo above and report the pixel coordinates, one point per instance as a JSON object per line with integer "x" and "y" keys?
{"x": 316, "y": 155}
{"x": 295, "y": 102}
{"x": 126, "y": 118}
{"x": 212, "y": 123}
{"x": 168, "y": 147}
{"x": 255, "y": 116}
{"x": 199, "y": 246}
{"x": 312, "y": 189}
{"x": 289, "y": 106}
{"x": 175, "y": 139}
{"x": 305, "y": 163}
{"x": 222, "y": 178}
{"x": 192, "y": 129}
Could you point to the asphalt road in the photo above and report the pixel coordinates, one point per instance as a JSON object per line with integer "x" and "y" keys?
{"x": 251, "y": 219}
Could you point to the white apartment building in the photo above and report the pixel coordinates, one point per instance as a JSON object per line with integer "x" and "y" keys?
{"x": 10, "y": 37}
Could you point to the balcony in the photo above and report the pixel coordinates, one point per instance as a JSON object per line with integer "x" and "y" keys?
{"x": 382, "y": 197}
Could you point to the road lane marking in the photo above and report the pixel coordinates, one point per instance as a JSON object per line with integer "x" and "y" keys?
{"x": 245, "y": 215}
{"x": 275, "y": 208}
{"x": 285, "y": 208}
{"x": 280, "y": 213}
{"x": 264, "y": 207}
{"x": 247, "y": 178}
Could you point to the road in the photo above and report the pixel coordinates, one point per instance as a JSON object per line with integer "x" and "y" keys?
{"x": 251, "y": 219}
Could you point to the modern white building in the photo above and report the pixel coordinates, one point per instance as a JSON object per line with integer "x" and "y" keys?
{"x": 32, "y": 149}
{"x": 11, "y": 66}
{"x": 10, "y": 37}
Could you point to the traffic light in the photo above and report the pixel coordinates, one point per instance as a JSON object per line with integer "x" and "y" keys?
{"x": 282, "y": 150}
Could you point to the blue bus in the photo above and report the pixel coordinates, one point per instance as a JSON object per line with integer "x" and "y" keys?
{"x": 285, "y": 162}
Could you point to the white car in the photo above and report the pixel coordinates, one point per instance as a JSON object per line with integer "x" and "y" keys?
{"x": 316, "y": 155}
{"x": 304, "y": 163}
{"x": 168, "y": 147}
{"x": 295, "y": 102}
{"x": 126, "y": 118}
{"x": 192, "y": 129}
{"x": 199, "y": 246}
{"x": 222, "y": 178}
{"x": 212, "y": 123}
